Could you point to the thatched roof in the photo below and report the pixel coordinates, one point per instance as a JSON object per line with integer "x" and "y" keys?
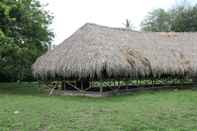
{"x": 96, "y": 51}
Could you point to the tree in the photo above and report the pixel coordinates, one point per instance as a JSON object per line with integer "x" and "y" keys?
{"x": 158, "y": 20}
{"x": 182, "y": 18}
{"x": 24, "y": 35}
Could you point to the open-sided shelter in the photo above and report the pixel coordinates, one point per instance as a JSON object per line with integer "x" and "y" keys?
{"x": 96, "y": 52}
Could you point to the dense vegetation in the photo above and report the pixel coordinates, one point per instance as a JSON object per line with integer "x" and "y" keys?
{"x": 24, "y": 35}
{"x": 179, "y": 19}
{"x": 25, "y": 108}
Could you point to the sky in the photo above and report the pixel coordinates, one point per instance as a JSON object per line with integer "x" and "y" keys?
{"x": 69, "y": 15}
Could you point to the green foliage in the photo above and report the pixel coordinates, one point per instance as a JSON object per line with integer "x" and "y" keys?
{"x": 157, "y": 20}
{"x": 24, "y": 108}
{"x": 184, "y": 19}
{"x": 179, "y": 19}
{"x": 24, "y": 35}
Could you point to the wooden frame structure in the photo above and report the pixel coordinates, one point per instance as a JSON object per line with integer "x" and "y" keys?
{"x": 113, "y": 87}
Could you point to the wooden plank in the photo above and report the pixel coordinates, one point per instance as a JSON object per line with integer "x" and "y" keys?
{"x": 73, "y": 86}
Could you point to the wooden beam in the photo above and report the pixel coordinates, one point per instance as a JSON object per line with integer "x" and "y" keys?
{"x": 53, "y": 88}
{"x": 73, "y": 86}
{"x": 51, "y": 91}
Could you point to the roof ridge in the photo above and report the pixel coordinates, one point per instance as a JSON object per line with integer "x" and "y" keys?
{"x": 126, "y": 29}
{"x": 108, "y": 27}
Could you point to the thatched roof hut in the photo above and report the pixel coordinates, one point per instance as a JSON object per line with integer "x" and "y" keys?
{"x": 95, "y": 52}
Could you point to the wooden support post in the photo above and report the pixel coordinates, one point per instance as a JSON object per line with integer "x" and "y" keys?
{"x": 118, "y": 84}
{"x": 90, "y": 84}
{"x": 181, "y": 82}
{"x": 127, "y": 85}
{"x": 152, "y": 82}
{"x": 82, "y": 84}
{"x": 65, "y": 86}
{"x": 101, "y": 89}
{"x": 75, "y": 84}
{"x": 140, "y": 82}
{"x": 137, "y": 83}
{"x": 62, "y": 86}
{"x": 39, "y": 84}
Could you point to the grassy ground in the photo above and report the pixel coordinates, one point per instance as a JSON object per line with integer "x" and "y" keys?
{"x": 24, "y": 108}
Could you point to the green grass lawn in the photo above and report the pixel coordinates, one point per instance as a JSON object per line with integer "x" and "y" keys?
{"x": 24, "y": 108}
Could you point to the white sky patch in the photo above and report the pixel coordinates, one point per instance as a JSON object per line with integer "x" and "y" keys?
{"x": 69, "y": 15}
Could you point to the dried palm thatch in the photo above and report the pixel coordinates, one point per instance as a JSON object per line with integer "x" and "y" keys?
{"x": 96, "y": 52}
